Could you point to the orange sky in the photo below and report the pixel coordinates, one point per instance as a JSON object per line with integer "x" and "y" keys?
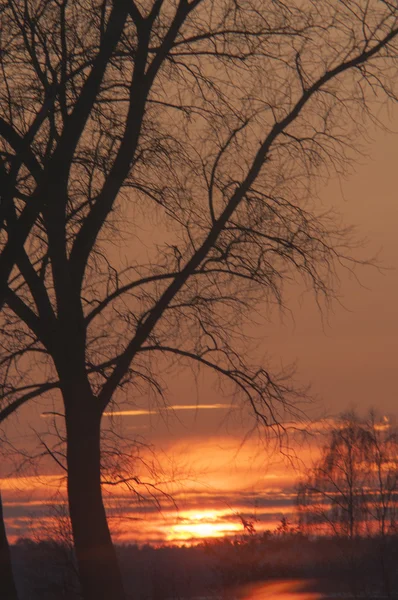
{"x": 211, "y": 484}
{"x": 350, "y": 357}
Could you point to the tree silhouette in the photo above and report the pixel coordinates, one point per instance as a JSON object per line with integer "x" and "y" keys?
{"x": 7, "y": 583}
{"x": 157, "y": 161}
{"x": 352, "y": 490}
{"x": 333, "y": 498}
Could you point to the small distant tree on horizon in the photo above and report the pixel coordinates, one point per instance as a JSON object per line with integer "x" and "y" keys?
{"x": 352, "y": 490}
{"x": 286, "y": 527}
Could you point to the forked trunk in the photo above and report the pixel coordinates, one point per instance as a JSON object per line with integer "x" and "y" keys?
{"x": 8, "y": 590}
{"x": 99, "y": 572}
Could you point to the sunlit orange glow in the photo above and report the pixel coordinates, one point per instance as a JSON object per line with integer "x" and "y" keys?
{"x": 280, "y": 590}
{"x": 202, "y": 525}
{"x": 200, "y": 531}
{"x": 213, "y": 484}
{"x": 40, "y": 485}
{"x": 172, "y": 408}
{"x": 147, "y": 412}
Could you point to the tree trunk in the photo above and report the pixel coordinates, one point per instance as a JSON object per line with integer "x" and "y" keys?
{"x": 99, "y": 572}
{"x": 8, "y": 590}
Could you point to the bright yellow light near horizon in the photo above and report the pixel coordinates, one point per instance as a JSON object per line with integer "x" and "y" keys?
{"x": 201, "y": 525}
{"x": 201, "y": 531}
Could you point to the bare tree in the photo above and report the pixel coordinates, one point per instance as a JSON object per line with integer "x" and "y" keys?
{"x": 382, "y": 500}
{"x": 352, "y": 490}
{"x": 383, "y": 474}
{"x": 189, "y": 132}
{"x": 333, "y": 497}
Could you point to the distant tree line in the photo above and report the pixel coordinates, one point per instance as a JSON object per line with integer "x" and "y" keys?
{"x": 352, "y": 490}
{"x": 217, "y": 568}
{"x": 345, "y": 534}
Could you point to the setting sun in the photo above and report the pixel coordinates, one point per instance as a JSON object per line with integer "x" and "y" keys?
{"x": 194, "y": 525}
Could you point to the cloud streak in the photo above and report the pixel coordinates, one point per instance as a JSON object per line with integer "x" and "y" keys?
{"x": 172, "y": 408}
{"x": 203, "y": 490}
{"x": 139, "y": 412}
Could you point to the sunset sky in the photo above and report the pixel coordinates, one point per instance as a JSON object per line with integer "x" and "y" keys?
{"x": 206, "y": 459}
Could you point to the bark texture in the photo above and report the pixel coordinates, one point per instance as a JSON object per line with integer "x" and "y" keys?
{"x": 99, "y": 571}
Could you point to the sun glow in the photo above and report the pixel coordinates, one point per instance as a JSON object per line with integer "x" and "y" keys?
{"x": 225, "y": 485}
{"x": 196, "y": 526}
